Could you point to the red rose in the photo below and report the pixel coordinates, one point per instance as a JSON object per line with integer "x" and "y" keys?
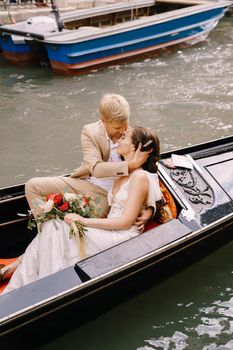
{"x": 64, "y": 206}
{"x": 56, "y": 197}
{"x": 86, "y": 201}
{"x": 50, "y": 196}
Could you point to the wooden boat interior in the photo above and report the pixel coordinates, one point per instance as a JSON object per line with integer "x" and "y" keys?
{"x": 90, "y": 22}
{"x": 122, "y": 12}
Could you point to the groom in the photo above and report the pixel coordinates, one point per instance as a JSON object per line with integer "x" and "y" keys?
{"x": 101, "y": 164}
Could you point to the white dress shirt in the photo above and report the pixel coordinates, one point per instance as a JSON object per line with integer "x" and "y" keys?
{"x": 107, "y": 182}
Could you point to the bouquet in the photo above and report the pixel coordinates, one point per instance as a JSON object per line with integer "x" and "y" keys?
{"x": 57, "y": 205}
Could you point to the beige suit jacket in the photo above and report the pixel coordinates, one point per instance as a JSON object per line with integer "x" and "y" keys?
{"x": 96, "y": 152}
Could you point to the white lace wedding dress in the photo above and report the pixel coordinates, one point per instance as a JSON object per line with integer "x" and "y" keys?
{"x": 52, "y": 249}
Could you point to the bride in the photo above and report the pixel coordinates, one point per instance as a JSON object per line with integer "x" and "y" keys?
{"x": 53, "y": 250}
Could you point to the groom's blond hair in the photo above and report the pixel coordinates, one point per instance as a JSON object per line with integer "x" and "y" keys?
{"x": 113, "y": 107}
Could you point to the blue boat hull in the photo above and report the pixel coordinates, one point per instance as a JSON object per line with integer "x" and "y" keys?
{"x": 73, "y": 58}
{"x": 77, "y": 51}
{"x": 17, "y": 52}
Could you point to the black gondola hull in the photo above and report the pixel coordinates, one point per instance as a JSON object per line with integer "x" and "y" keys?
{"x": 95, "y": 284}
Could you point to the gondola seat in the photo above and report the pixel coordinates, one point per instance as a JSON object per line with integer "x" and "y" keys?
{"x": 166, "y": 210}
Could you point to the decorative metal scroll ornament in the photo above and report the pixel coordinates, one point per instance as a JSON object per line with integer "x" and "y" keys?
{"x": 198, "y": 190}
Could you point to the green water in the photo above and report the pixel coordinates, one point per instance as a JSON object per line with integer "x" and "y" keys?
{"x": 186, "y": 96}
{"x": 191, "y": 310}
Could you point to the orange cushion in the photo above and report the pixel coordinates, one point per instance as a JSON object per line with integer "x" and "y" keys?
{"x": 171, "y": 206}
{"x": 5, "y": 282}
{"x": 169, "y": 199}
{"x": 3, "y": 285}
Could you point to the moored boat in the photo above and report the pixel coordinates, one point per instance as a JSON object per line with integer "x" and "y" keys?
{"x": 116, "y": 33}
{"x": 21, "y": 49}
{"x": 201, "y": 186}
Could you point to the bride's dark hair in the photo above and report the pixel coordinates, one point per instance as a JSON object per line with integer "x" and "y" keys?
{"x": 149, "y": 141}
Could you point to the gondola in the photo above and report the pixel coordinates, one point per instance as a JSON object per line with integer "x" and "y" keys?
{"x": 201, "y": 188}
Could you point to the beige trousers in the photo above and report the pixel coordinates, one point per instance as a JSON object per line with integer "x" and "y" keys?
{"x": 39, "y": 187}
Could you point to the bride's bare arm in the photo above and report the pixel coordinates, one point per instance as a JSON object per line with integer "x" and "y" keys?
{"x": 136, "y": 197}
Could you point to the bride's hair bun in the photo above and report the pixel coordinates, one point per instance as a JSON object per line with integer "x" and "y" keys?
{"x": 149, "y": 141}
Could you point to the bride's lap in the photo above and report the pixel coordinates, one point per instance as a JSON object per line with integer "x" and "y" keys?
{"x": 97, "y": 240}
{"x": 50, "y": 251}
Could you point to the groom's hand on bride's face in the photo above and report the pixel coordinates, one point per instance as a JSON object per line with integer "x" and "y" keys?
{"x": 139, "y": 158}
{"x": 132, "y": 152}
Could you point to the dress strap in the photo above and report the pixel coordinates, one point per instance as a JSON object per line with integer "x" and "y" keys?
{"x": 154, "y": 186}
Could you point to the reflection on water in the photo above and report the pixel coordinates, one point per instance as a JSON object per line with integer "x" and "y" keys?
{"x": 208, "y": 328}
{"x": 192, "y": 310}
{"x": 186, "y": 96}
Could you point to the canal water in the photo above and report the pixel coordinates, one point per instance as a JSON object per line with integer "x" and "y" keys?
{"x": 186, "y": 96}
